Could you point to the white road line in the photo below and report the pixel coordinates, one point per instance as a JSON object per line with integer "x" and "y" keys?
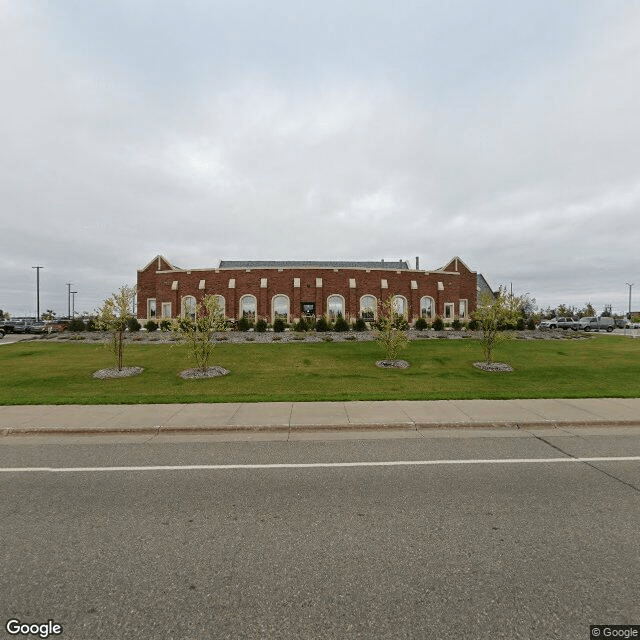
{"x": 316, "y": 465}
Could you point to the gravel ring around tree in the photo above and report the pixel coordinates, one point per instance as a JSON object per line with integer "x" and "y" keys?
{"x": 125, "y": 372}
{"x": 392, "y": 364}
{"x": 493, "y": 366}
{"x": 199, "y": 374}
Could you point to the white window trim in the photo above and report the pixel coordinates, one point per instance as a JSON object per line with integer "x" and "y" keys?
{"x": 466, "y": 308}
{"x": 433, "y": 305}
{"x": 183, "y": 309}
{"x": 405, "y": 313}
{"x": 163, "y": 306}
{"x": 155, "y": 315}
{"x": 452, "y": 307}
{"x": 344, "y": 306}
{"x": 255, "y": 300}
{"x": 222, "y": 303}
{"x": 273, "y": 308}
{"x": 375, "y": 305}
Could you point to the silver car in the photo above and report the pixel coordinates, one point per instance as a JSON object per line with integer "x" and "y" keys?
{"x": 599, "y": 323}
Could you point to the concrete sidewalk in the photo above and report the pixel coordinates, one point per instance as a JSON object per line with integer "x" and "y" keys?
{"x": 295, "y": 417}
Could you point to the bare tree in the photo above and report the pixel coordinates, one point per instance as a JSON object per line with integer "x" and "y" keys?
{"x": 386, "y": 332}
{"x": 197, "y": 333}
{"x": 494, "y": 313}
{"x": 113, "y": 316}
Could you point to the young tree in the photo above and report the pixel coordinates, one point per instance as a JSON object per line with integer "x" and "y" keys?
{"x": 386, "y": 332}
{"x": 49, "y": 314}
{"x": 113, "y": 316}
{"x": 493, "y": 313}
{"x": 197, "y": 333}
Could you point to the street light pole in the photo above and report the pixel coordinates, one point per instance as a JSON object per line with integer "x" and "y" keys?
{"x": 73, "y": 308}
{"x": 38, "y": 289}
{"x": 69, "y": 300}
{"x": 629, "y": 285}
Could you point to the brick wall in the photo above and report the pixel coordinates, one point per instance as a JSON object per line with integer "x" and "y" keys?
{"x": 163, "y": 283}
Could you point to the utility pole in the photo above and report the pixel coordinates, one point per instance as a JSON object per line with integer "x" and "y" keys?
{"x": 629, "y": 285}
{"x": 69, "y": 300}
{"x": 38, "y": 289}
{"x": 73, "y": 308}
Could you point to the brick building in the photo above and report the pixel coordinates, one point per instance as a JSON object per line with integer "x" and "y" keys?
{"x": 290, "y": 290}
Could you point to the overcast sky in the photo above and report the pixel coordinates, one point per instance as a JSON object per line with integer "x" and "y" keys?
{"x": 506, "y": 133}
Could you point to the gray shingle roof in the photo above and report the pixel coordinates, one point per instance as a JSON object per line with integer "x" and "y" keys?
{"x": 318, "y": 264}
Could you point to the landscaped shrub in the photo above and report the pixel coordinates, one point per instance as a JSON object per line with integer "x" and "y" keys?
{"x": 341, "y": 324}
{"x": 151, "y": 326}
{"x": 456, "y": 325}
{"x": 261, "y": 325}
{"x": 359, "y": 325}
{"x": 279, "y": 325}
{"x": 165, "y": 325}
{"x": 91, "y": 325}
{"x": 531, "y": 324}
{"x": 301, "y": 325}
{"x": 520, "y": 325}
{"x": 474, "y": 325}
{"x": 133, "y": 324}
{"x": 322, "y": 324}
{"x": 401, "y": 323}
{"x": 438, "y": 324}
{"x": 76, "y": 325}
{"x": 421, "y": 324}
{"x": 244, "y": 324}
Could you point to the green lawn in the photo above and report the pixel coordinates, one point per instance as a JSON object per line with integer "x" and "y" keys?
{"x": 49, "y": 373}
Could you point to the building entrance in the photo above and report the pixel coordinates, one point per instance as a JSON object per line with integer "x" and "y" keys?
{"x": 308, "y": 310}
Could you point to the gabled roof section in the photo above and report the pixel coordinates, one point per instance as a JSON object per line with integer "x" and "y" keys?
{"x": 310, "y": 264}
{"x": 456, "y": 264}
{"x": 483, "y": 286}
{"x": 159, "y": 263}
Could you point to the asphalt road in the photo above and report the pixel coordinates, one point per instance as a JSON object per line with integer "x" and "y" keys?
{"x": 512, "y": 549}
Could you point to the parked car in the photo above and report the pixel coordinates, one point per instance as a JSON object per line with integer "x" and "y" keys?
{"x": 599, "y": 323}
{"x": 37, "y": 327}
{"x": 560, "y": 322}
{"x": 549, "y": 324}
{"x": 20, "y": 326}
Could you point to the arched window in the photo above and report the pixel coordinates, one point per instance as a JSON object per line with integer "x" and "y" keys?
{"x": 426, "y": 307}
{"x": 400, "y": 306}
{"x": 280, "y": 308}
{"x": 189, "y": 307}
{"x": 221, "y": 304}
{"x": 335, "y": 307}
{"x": 368, "y": 306}
{"x": 248, "y": 307}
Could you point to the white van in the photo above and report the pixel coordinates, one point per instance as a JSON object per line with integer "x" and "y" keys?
{"x": 600, "y": 323}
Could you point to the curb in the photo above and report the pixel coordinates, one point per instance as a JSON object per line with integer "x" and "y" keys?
{"x": 395, "y": 426}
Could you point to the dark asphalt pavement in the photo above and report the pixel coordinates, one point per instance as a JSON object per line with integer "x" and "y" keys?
{"x": 510, "y": 550}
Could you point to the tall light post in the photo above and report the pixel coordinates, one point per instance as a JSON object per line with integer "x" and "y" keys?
{"x": 69, "y": 300}
{"x": 38, "y": 289}
{"x": 629, "y": 285}
{"x": 73, "y": 304}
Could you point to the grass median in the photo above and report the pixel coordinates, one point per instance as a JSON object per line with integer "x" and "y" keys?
{"x": 48, "y": 373}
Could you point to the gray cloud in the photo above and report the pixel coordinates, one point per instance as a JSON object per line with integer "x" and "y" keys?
{"x": 508, "y": 136}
